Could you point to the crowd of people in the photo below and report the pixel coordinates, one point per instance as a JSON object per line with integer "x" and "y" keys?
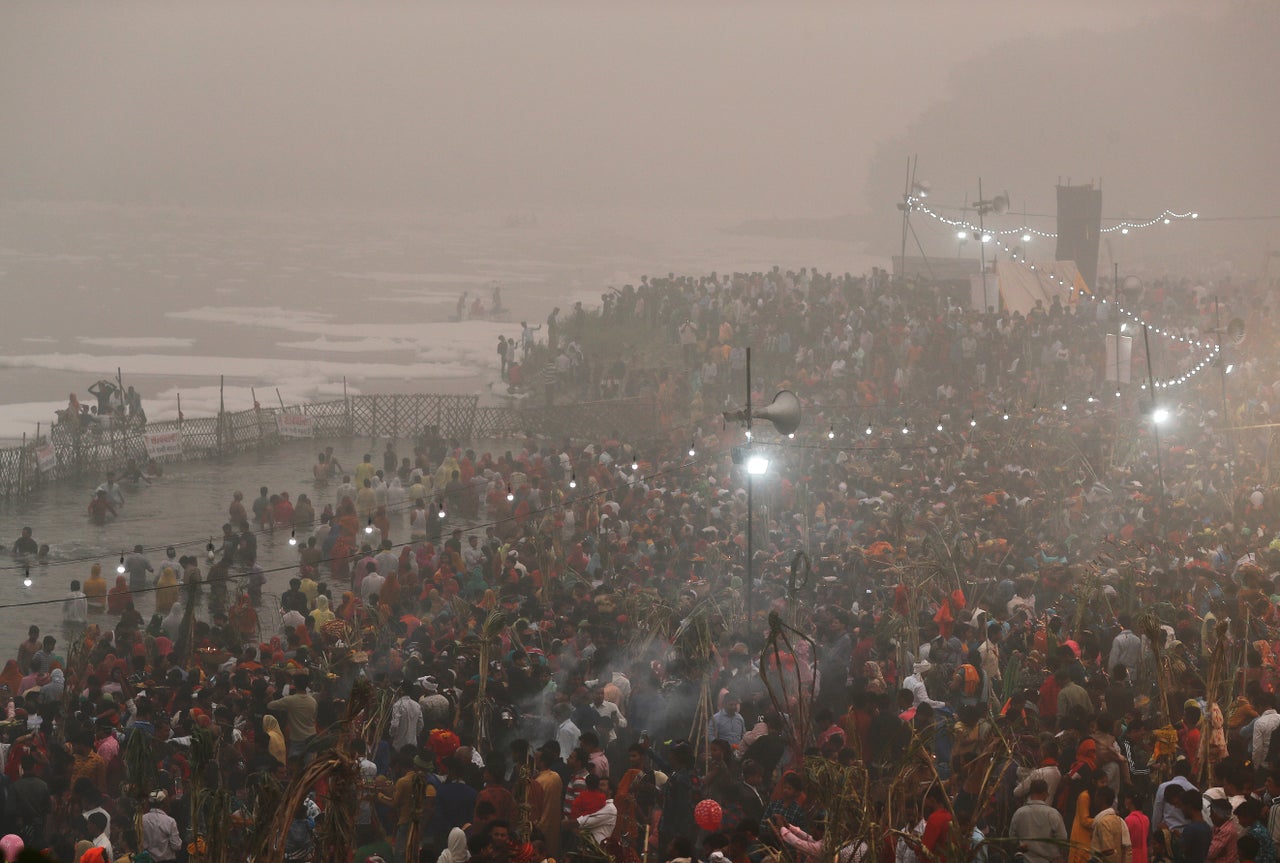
{"x": 972, "y": 623}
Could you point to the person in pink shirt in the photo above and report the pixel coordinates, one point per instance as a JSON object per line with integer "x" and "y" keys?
{"x": 1139, "y": 826}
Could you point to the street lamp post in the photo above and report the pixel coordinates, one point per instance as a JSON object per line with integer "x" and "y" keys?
{"x": 1156, "y": 418}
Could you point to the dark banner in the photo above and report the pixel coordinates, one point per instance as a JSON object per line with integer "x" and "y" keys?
{"x": 1079, "y": 226}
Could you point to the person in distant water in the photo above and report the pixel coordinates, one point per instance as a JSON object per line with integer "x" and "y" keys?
{"x": 335, "y": 466}
{"x": 504, "y": 355}
{"x": 114, "y": 493}
{"x": 137, "y": 565}
{"x": 236, "y": 511}
{"x": 25, "y": 545}
{"x": 320, "y": 472}
{"x": 262, "y": 508}
{"x": 75, "y": 608}
{"x": 134, "y": 474}
{"x": 100, "y": 507}
{"x": 462, "y": 306}
{"x": 95, "y": 590}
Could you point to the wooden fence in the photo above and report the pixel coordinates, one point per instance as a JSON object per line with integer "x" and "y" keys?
{"x": 69, "y": 455}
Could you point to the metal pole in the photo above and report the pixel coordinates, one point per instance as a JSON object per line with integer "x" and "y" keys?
{"x": 906, "y": 214}
{"x": 747, "y": 589}
{"x": 982, "y": 247}
{"x": 1231, "y": 433}
{"x": 1115, "y": 299}
{"x": 1155, "y": 426}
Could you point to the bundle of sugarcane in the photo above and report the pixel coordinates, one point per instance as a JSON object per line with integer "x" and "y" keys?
{"x": 493, "y": 626}
{"x": 330, "y": 765}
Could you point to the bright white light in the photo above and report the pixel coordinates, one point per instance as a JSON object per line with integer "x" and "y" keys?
{"x": 962, "y": 235}
{"x": 368, "y": 528}
{"x": 868, "y": 430}
{"x": 1124, "y": 328}
{"x": 1166, "y": 221}
{"x": 1026, "y": 238}
{"x": 293, "y": 540}
{"x": 757, "y": 465}
{"x": 1230, "y": 367}
{"x": 1159, "y": 416}
{"x": 1195, "y": 215}
{"x": 791, "y": 435}
{"x": 986, "y": 238}
{"x": 441, "y": 513}
{"x": 906, "y": 429}
{"x": 1117, "y": 393}
{"x": 831, "y": 434}
{"x": 692, "y": 452}
{"x": 1124, "y": 230}
{"x": 573, "y": 482}
{"x": 120, "y": 569}
{"x": 1005, "y": 416}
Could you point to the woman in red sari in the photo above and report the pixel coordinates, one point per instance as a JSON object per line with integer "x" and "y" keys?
{"x": 118, "y": 596}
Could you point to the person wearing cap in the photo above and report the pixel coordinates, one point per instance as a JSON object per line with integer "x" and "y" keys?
{"x": 1222, "y": 847}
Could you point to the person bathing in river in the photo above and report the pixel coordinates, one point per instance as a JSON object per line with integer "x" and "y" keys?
{"x": 100, "y": 507}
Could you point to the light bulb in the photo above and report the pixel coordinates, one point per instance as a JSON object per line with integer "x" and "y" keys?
{"x": 1117, "y": 393}
{"x": 368, "y": 528}
{"x": 1166, "y": 221}
{"x": 1091, "y": 399}
{"x": 748, "y": 434}
{"x": 208, "y": 550}
{"x": 1195, "y": 215}
{"x": 510, "y": 494}
{"x": 1230, "y": 368}
{"x": 791, "y": 435}
{"x": 441, "y": 513}
{"x": 635, "y": 463}
{"x": 120, "y": 568}
{"x": 962, "y": 235}
{"x": 972, "y": 421}
{"x": 831, "y": 433}
{"x": 692, "y": 450}
{"x": 293, "y": 537}
{"x": 1026, "y": 238}
{"x": 904, "y": 431}
{"x": 1124, "y": 230}
{"x": 1064, "y": 406}
{"x": 868, "y": 431}
{"x": 573, "y": 480}
{"x": 986, "y": 238}
{"x": 1005, "y": 415}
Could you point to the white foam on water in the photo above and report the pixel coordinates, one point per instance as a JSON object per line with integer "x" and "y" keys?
{"x": 21, "y": 418}
{"x": 137, "y": 342}
{"x": 268, "y": 370}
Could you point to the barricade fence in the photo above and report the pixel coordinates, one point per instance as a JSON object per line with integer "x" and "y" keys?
{"x": 89, "y": 452}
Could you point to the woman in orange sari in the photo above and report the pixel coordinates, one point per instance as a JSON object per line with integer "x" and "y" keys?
{"x": 118, "y": 597}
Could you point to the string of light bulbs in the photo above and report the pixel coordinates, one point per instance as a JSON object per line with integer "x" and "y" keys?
{"x": 1212, "y": 350}
{"x": 984, "y": 233}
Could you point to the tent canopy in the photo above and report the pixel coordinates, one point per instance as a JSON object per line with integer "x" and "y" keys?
{"x": 1020, "y": 286}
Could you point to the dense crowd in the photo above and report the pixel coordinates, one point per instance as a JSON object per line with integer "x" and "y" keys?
{"x": 982, "y": 624}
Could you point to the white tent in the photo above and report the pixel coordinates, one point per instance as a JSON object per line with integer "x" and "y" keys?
{"x": 1020, "y": 286}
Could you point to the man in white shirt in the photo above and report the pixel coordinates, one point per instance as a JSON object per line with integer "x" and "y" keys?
{"x": 387, "y": 560}
{"x": 1126, "y": 647}
{"x": 406, "y": 719}
{"x": 914, "y": 682}
{"x": 1263, "y": 726}
{"x": 75, "y": 608}
{"x": 160, "y": 836}
{"x": 567, "y": 733}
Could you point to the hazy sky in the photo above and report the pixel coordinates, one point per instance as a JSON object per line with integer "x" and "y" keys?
{"x": 755, "y": 109}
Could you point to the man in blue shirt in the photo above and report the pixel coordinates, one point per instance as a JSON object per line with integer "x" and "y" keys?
{"x": 727, "y": 724}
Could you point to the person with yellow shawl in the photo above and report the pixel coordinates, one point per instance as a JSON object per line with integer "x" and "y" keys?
{"x": 167, "y": 587}
{"x": 275, "y": 736}
{"x": 321, "y": 614}
{"x": 95, "y": 590}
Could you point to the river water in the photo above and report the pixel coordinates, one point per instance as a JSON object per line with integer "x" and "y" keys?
{"x": 187, "y": 505}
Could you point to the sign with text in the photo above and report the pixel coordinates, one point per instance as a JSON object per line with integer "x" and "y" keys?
{"x": 161, "y": 444}
{"x": 295, "y": 425}
{"x": 46, "y": 457}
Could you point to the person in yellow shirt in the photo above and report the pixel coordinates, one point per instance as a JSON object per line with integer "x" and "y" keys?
{"x": 365, "y": 470}
{"x": 95, "y": 590}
